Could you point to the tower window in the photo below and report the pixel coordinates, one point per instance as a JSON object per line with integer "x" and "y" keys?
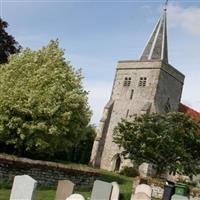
{"x": 167, "y": 106}
{"x": 132, "y": 92}
{"x": 142, "y": 82}
{"x": 127, "y": 81}
{"x": 127, "y": 113}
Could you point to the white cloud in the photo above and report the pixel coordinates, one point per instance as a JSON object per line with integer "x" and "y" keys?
{"x": 186, "y": 18}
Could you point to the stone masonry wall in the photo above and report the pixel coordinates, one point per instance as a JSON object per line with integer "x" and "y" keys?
{"x": 46, "y": 173}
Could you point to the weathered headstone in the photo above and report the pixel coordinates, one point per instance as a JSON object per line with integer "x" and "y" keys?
{"x": 146, "y": 170}
{"x": 75, "y": 197}
{"x": 101, "y": 190}
{"x": 23, "y": 188}
{"x": 143, "y": 188}
{"x": 115, "y": 191}
{"x": 140, "y": 196}
{"x": 179, "y": 197}
{"x": 64, "y": 189}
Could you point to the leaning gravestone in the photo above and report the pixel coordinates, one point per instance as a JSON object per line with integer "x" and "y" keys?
{"x": 101, "y": 190}
{"x": 179, "y": 197}
{"x": 64, "y": 189}
{"x": 115, "y": 191}
{"x": 23, "y": 188}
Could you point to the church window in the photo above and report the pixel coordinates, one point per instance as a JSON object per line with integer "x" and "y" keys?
{"x": 167, "y": 106}
{"x": 127, "y": 81}
{"x": 127, "y": 113}
{"x": 142, "y": 82}
{"x": 132, "y": 92}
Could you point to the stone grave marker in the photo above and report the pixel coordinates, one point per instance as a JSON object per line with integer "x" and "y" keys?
{"x": 101, "y": 190}
{"x": 23, "y": 188}
{"x": 143, "y": 188}
{"x": 142, "y": 192}
{"x": 64, "y": 189}
{"x": 115, "y": 191}
{"x": 179, "y": 197}
{"x": 140, "y": 196}
{"x": 75, "y": 197}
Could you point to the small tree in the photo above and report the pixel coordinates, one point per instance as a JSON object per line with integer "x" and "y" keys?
{"x": 43, "y": 106}
{"x": 8, "y": 45}
{"x": 170, "y": 141}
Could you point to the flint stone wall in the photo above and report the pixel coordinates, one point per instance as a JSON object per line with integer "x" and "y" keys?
{"x": 46, "y": 173}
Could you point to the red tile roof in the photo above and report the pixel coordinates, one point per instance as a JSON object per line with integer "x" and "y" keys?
{"x": 191, "y": 112}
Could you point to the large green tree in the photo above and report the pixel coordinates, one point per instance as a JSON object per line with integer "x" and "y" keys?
{"x": 169, "y": 141}
{"x": 43, "y": 106}
{"x": 8, "y": 44}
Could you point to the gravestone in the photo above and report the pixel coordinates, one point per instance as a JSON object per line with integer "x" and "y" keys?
{"x": 64, "y": 189}
{"x": 23, "y": 188}
{"x": 179, "y": 197}
{"x": 146, "y": 170}
{"x": 143, "y": 188}
{"x": 115, "y": 191}
{"x": 101, "y": 190}
{"x": 75, "y": 197}
{"x": 140, "y": 196}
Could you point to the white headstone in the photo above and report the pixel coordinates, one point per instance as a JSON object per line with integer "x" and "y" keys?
{"x": 115, "y": 191}
{"x": 143, "y": 188}
{"x": 101, "y": 190}
{"x": 23, "y": 188}
{"x": 179, "y": 197}
{"x": 75, "y": 197}
{"x": 64, "y": 189}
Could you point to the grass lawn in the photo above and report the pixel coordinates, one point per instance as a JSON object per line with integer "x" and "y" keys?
{"x": 49, "y": 194}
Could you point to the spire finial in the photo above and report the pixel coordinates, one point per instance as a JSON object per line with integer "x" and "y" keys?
{"x": 166, "y": 4}
{"x": 156, "y": 48}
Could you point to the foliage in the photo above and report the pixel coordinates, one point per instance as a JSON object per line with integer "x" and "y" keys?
{"x": 8, "y": 45}
{"x": 43, "y": 106}
{"x": 82, "y": 150}
{"x": 169, "y": 141}
{"x": 129, "y": 171}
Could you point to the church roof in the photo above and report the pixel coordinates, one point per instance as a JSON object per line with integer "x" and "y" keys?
{"x": 156, "y": 48}
{"x": 191, "y": 112}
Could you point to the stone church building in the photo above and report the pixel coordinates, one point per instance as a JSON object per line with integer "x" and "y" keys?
{"x": 147, "y": 85}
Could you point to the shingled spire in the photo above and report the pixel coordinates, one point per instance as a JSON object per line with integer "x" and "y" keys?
{"x": 156, "y": 48}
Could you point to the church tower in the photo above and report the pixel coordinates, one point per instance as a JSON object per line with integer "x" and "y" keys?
{"x": 148, "y": 85}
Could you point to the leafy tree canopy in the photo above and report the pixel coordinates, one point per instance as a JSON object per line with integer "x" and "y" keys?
{"x": 8, "y": 45}
{"x": 169, "y": 141}
{"x": 43, "y": 106}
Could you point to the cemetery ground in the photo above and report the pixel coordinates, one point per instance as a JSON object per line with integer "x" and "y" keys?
{"x": 44, "y": 193}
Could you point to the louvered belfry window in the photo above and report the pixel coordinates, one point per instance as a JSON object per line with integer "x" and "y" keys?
{"x": 127, "y": 81}
{"x": 142, "y": 82}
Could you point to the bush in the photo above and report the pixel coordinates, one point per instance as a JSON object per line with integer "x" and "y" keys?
{"x": 130, "y": 172}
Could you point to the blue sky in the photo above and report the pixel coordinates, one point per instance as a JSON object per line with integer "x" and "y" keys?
{"x": 96, "y": 34}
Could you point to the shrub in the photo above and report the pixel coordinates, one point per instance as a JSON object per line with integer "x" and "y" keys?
{"x": 130, "y": 172}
